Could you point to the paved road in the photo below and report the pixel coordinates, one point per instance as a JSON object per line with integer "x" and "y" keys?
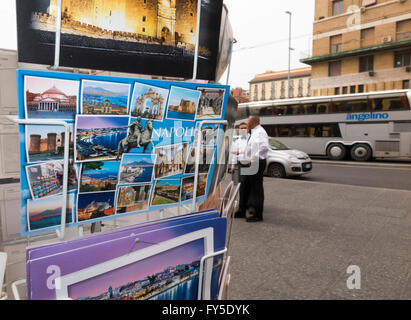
{"x": 378, "y": 175}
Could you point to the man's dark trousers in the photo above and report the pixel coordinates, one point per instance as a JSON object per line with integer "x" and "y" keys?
{"x": 252, "y": 191}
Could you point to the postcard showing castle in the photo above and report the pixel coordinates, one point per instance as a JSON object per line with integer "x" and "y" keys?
{"x": 182, "y": 104}
{"x": 155, "y": 37}
{"x": 149, "y": 102}
{"x": 46, "y": 179}
{"x": 98, "y": 176}
{"x": 46, "y": 142}
{"x": 45, "y": 213}
{"x": 99, "y": 137}
{"x": 109, "y": 98}
{"x": 50, "y": 98}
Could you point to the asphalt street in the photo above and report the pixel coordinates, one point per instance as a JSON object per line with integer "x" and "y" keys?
{"x": 317, "y": 227}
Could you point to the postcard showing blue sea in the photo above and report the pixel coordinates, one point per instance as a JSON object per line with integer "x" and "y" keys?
{"x": 46, "y": 212}
{"x": 99, "y": 97}
{"x": 136, "y": 168}
{"x": 182, "y": 104}
{"x": 99, "y": 176}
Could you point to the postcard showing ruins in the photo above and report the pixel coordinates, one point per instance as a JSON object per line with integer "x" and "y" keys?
{"x": 50, "y": 98}
{"x": 155, "y": 37}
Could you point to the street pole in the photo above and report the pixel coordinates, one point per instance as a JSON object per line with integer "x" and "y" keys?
{"x": 289, "y": 53}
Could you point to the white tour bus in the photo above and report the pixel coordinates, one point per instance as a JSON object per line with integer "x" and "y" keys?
{"x": 362, "y": 126}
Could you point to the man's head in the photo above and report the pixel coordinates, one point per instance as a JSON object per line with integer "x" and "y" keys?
{"x": 253, "y": 121}
{"x": 243, "y": 128}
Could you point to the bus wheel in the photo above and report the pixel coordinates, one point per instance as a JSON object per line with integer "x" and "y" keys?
{"x": 276, "y": 170}
{"x": 361, "y": 152}
{"x": 336, "y": 151}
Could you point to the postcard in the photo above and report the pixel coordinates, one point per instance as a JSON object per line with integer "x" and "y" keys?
{"x": 187, "y": 187}
{"x": 166, "y": 192}
{"x": 50, "y": 98}
{"x": 91, "y": 206}
{"x": 99, "y": 176}
{"x": 164, "y": 263}
{"x": 133, "y": 198}
{"x": 46, "y": 212}
{"x": 46, "y": 142}
{"x": 136, "y": 168}
{"x": 171, "y": 160}
{"x": 182, "y": 103}
{"x": 99, "y": 137}
{"x": 209, "y": 133}
{"x": 211, "y": 103}
{"x": 46, "y": 179}
{"x": 207, "y": 156}
{"x": 108, "y": 98}
{"x": 149, "y": 102}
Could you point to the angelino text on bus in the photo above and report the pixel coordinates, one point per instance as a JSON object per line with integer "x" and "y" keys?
{"x": 367, "y": 116}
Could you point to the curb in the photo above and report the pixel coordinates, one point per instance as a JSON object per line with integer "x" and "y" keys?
{"x": 362, "y": 164}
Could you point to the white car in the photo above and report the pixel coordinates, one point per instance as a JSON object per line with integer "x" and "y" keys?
{"x": 285, "y": 162}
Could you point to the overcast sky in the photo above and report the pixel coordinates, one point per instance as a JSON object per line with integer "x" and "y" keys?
{"x": 255, "y": 23}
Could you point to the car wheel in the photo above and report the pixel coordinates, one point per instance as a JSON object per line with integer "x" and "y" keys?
{"x": 361, "y": 152}
{"x": 336, "y": 151}
{"x": 276, "y": 170}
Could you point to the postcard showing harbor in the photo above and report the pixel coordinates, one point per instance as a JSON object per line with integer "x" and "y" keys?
{"x": 46, "y": 179}
{"x": 99, "y": 137}
{"x": 133, "y": 198}
{"x": 50, "y": 98}
{"x": 46, "y": 142}
{"x": 170, "y": 160}
{"x": 149, "y": 102}
{"x": 182, "y": 104}
{"x": 136, "y": 168}
{"x": 211, "y": 103}
{"x": 108, "y": 98}
{"x": 96, "y": 205}
{"x": 99, "y": 176}
{"x": 46, "y": 212}
{"x": 166, "y": 192}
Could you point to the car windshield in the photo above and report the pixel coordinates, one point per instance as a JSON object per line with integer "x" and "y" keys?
{"x": 277, "y": 145}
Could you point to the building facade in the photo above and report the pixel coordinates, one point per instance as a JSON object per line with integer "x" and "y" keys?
{"x": 360, "y": 46}
{"x": 240, "y": 95}
{"x": 273, "y": 85}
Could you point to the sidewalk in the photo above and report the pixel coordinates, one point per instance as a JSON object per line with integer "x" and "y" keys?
{"x": 310, "y": 235}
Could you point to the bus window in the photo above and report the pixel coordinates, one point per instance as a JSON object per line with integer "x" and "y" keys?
{"x": 295, "y": 109}
{"x": 300, "y": 131}
{"x": 376, "y": 104}
{"x": 310, "y": 108}
{"x": 267, "y": 111}
{"x": 390, "y": 104}
{"x": 280, "y": 111}
{"x": 358, "y": 106}
{"x": 323, "y": 107}
{"x": 339, "y": 106}
{"x": 284, "y": 131}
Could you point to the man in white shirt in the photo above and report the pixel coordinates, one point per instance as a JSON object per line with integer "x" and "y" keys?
{"x": 238, "y": 147}
{"x": 253, "y": 162}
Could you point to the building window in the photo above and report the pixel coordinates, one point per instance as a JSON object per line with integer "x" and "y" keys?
{"x": 406, "y": 84}
{"x": 336, "y": 43}
{"x": 143, "y": 29}
{"x": 282, "y": 90}
{"x": 352, "y": 89}
{"x": 337, "y": 91}
{"x": 338, "y": 7}
{"x": 404, "y": 30}
{"x": 366, "y": 63}
{"x": 402, "y": 59}
{"x": 255, "y": 93}
{"x": 360, "y": 88}
{"x": 334, "y": 68}
{"x": 300, "y": 87}
{"x": 272, "y": 90}
{"x": 367, "y": 37}
{"x": 144, "y": 18}
{"x": 263, "y": 91}
{"x": 345, "y": 90}
{"x": 309, "y": 88}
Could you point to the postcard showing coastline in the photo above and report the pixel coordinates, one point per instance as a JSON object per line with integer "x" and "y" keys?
{"x": 99, "y": 137}
{"x": 170, "y": 160}
{"x": 46, "y": 142}
{"x": 50, "y": 98}
{"x": 98, "y": 176}
{"x": 109, "y": 98}
{"x": 149, "y": 102}
{"x": 136, "y": 168}
{"x": 133, "y": 198}
{"x": 166, "y": 192}
{"x": 46, "y": 212}
{"x": 206, "y": 160}
{"x": 211, "y": 103}
{"x": 46, "y": 179}
{"x": 182, "y": 103}
{"x": 91, "y": 206}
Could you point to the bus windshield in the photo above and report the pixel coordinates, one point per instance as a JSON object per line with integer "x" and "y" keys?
{"x": 277, "y": 145}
